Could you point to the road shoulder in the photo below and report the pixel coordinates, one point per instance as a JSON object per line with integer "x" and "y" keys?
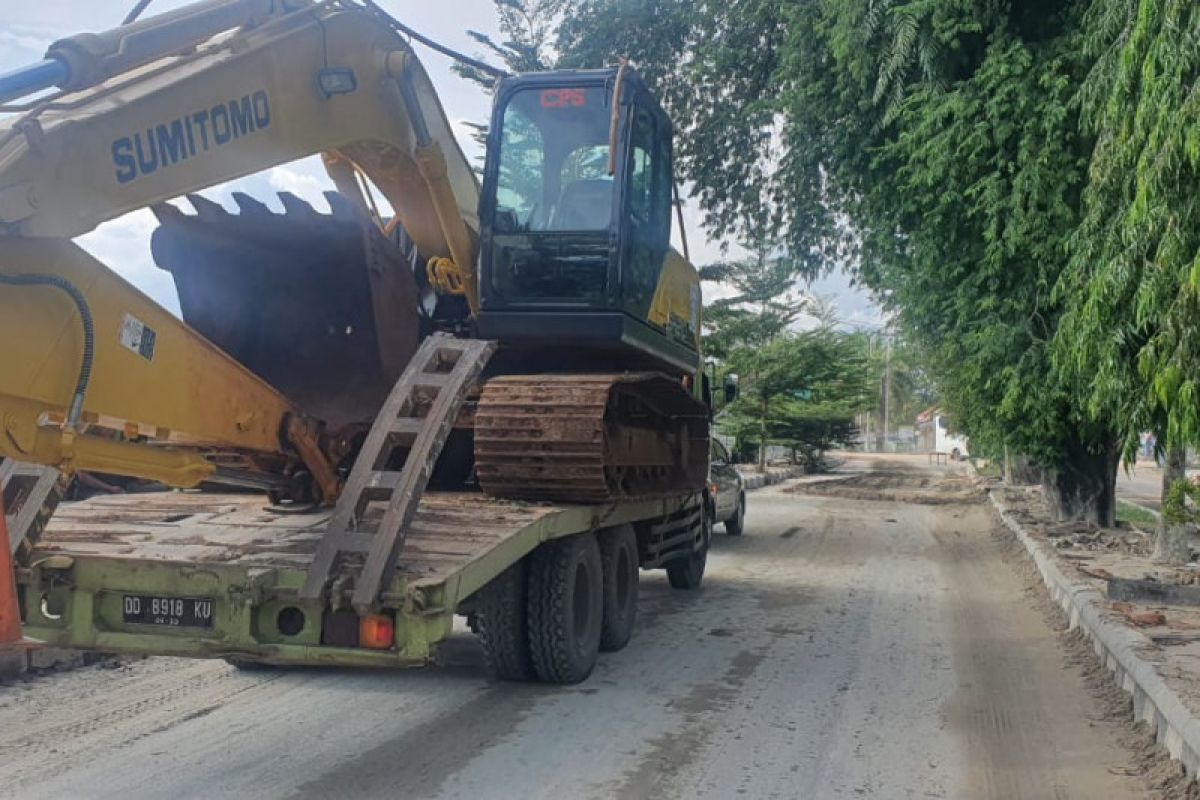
{"x": 1121, "y": 649}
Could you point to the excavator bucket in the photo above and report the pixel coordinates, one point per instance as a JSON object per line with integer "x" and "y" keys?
{"x": 323, "y": 307}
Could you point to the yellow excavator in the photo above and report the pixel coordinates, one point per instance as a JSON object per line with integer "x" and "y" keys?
{"x": 298, "y": 323}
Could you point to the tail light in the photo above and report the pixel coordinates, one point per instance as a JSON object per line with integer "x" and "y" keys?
{"x": 376, "y": 631}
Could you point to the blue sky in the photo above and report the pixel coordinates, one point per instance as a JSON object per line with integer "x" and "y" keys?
{"x": 27, "y": 28}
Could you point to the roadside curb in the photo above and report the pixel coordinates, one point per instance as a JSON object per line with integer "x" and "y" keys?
{"x": 772, "y": 477}
{"x": 1155, "y": 703}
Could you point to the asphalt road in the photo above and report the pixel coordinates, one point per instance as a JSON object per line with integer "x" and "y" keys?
{"x": 841, "y": 648}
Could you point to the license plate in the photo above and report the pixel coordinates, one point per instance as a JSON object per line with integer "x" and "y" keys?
{"x": 171, "y": 612}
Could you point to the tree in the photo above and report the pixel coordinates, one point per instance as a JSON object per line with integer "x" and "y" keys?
{"x": 764, "y": 304}
{"x": 953, "y": 192}
{"x": 801, "y": 390}
{"x": 528, "y": 28}
{"x": 1133, "y": 288}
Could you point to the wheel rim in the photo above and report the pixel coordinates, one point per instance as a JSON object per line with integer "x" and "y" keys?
{"x": 582, "y": 600}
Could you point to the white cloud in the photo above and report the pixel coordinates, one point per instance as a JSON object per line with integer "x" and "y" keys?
{"x": 124, "y": 245}
{"x": 300, "y": 181}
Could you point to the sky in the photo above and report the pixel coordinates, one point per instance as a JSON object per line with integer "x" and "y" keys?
{"x": 124, "y": 243}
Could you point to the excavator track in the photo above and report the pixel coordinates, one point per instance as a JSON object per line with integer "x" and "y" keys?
{"x": 589, "y": 438}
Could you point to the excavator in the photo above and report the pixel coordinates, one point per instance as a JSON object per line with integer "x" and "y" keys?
{"x": 554, "y": 274}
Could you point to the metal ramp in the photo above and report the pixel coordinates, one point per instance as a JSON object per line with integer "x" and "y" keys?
{"x": 436, "y": 382}
{"x": 25, "y": 488}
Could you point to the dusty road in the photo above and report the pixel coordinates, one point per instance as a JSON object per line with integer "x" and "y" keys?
{"x": 842, "y": 648}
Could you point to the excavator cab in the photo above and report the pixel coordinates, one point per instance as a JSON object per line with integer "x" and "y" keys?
{"x": 576, "y": 223}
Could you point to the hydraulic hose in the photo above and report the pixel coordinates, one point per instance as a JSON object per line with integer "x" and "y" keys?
{"x": 89, "y": 334}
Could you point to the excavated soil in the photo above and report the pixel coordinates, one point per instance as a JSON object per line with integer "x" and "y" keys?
{"x": 920, "y": 487}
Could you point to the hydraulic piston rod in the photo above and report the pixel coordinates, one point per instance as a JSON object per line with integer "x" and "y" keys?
{"x": 87, "y": 59}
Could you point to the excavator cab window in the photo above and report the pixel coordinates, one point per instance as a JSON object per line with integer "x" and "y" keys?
{"x": 554, "y": 198}
{"x": 553, "y": 170}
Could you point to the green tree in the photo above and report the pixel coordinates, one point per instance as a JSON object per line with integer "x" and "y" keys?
{"x": 528, "y": 30}
{"x": 954, "y": 189}
{"x": 800, "y": 389}
{"x": 1133, "y": 288}
{"x": 763, "y": 305}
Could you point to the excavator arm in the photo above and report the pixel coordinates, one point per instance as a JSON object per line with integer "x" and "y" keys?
{"x": 176, "y": 104}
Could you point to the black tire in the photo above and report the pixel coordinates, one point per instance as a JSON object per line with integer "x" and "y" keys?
{"x": 242, "y": 665}
{"x": 688, "y": 573}
{"x": 566, "y": 608}
{"x": 619, "y": 557}
{"x": 500, "y": 623}
{"x": 737, "y": 523}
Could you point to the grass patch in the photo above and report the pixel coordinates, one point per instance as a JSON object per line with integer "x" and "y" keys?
{"x": 1135, "y": 515}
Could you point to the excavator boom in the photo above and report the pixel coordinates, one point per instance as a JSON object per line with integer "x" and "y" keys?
{"x": 176, "y": 104}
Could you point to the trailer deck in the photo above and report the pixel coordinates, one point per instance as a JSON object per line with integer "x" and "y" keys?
{"x": 251, "y": 561}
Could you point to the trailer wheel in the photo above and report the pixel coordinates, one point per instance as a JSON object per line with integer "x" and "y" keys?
{"x": 619, "y": 555}
{"x": 687, "y": 573}
{"x": 566, "y": 608}
{"x": 500, "y": 623}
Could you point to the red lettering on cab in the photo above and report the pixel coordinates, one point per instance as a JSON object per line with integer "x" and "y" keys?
{"x": 563, "y": 98}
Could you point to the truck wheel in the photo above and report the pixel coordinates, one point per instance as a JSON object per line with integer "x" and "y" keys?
{"x": 566, "y": 608}
{"x": 735, "y": 524}
{"x": 619, "y": 556}
{"x": 241, "y": 665}
{"x": 687, "y": 573}
{"x": 500, "y": 624}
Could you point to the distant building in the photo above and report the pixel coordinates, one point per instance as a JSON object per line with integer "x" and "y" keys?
{"x": 934, "y": 436}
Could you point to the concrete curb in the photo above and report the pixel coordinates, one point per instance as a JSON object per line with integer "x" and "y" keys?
{"x": 772, "y": 477}
{"x": 1155, "y": 703}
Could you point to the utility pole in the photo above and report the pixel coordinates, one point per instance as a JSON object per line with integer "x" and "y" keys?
{"x": 867, "y": 415}
{"x": 887, "y": 391}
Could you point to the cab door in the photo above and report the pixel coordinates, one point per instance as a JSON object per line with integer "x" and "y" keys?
{"x": 646, "y": 207}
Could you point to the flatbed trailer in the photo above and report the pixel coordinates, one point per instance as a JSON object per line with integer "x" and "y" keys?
{"x": 197, "y": 574}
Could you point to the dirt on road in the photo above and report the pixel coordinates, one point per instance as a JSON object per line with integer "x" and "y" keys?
{"x": 843, "y": 647}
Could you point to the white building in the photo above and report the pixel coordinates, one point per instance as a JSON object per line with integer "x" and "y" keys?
{"x": 934, "y": 435}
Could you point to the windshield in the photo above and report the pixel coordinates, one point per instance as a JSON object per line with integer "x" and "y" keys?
{"x": 554, "y": 162}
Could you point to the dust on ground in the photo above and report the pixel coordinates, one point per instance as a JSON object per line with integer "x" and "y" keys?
{"x": 1149, "y": 760}
{"x": 1089, "y": 555}
{"x": 896, "y": 478}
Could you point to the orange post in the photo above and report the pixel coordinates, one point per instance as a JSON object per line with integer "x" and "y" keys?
{"x": 10, "y": 612}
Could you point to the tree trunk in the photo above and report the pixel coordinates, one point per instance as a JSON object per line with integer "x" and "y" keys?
{"x": 1021, "y": 471}
{"x": 1172, "y": 535}
{"x": 762, "y": 445}
{"x": 1084, "y": 488}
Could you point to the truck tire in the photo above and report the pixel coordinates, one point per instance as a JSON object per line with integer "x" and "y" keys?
{"x": 688, "y": 573}
{"x": 566, "y": 608}
{"x": 735, "y": 524}
{"x": 242, "y": 665}
{"x": 619, "y": 556}
{"x": 500, "y": 624}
